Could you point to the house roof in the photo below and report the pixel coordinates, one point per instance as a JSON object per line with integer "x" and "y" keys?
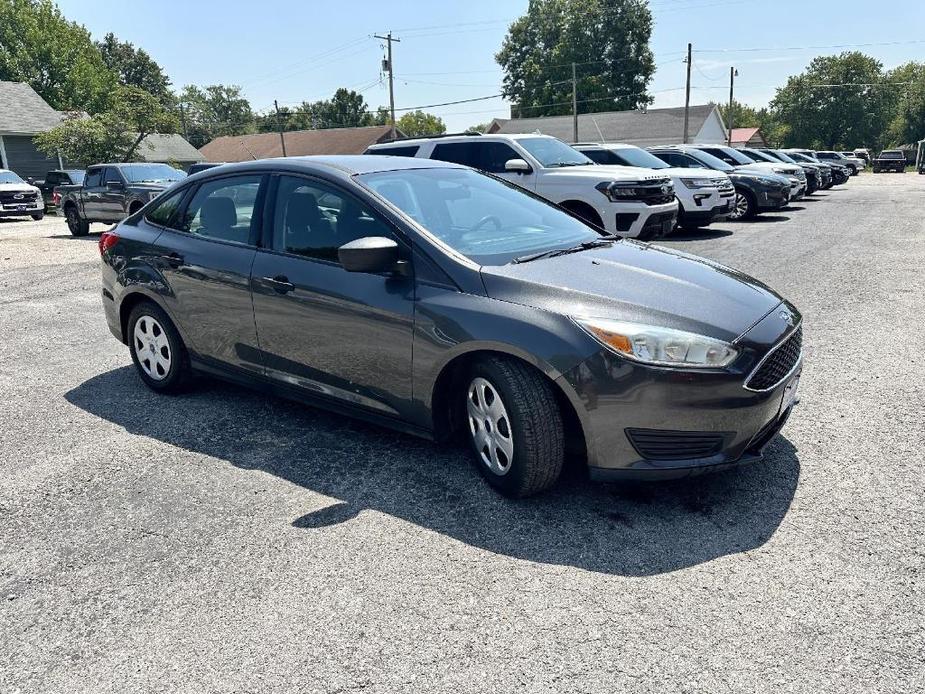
{"x": 22, "y": 110}
{"x": 656, "y": 126}
{"x": 744, "y": 135}
{"x": 232, "y": 148}
{"x": 164, "y": 148}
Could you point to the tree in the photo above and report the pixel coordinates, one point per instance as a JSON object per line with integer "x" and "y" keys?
{"x": 479, "y": 128}
{"x": 346, "y": 109}
{"x": 114, "y": 135}
{"x": 907, "y": 124}
{"x": 136, "y": 68}
{"x": 608, "y": 40}
{"x": 215, "y": 111}
{"x": 55, "y": 57}
{"x": 743, "y": 116}
{"x": 836, "y": 103}
{"x": 420, "y": 124}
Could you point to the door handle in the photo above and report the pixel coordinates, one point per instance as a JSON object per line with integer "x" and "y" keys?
{"x": 280, "y": 284}
{"x": 172, "y": 259}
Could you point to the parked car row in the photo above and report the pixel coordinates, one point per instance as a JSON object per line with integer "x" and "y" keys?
{"x": 640, "y": 193}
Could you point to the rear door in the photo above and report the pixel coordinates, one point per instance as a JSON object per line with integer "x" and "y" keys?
{"x": 342, "y": 335}
{"x": 205, "y": 255}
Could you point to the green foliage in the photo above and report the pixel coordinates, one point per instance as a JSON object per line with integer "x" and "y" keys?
{"x": 479, "y": 128}
{"x": 114, "y": 135}
{"x": 420, "y": 124}
{"x": 907, "y": 125}
{"x": 135, "y": 68}
{"x": 607, "y": 39}
{"x": 743, "y": 116}
{"x": 834, "y": 117}
{"x": 215, "y": 111}
{"x": 55, "y": 57}
{"x": 346, "y": 109}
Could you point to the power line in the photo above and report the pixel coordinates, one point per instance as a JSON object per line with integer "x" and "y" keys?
{"x": 808, "y": 48}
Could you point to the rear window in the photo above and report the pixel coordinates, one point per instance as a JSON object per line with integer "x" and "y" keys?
{"x": 892, "y": 155}
{"x": 404, "y": 151}
{"x": 164, "y": 211}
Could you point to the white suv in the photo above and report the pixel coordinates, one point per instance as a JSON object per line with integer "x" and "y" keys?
{"x": 620, "y": 199}
{"x": 704, "y": 195}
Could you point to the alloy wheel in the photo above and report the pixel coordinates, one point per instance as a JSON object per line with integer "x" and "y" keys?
{"x": 490, "y": 426}
{"x": 740, "y": 208}
{"x": 72, "y": 221}
{"x": 152, "y": 348}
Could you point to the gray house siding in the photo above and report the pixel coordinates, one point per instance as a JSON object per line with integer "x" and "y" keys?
{"x": 25, "y": 159}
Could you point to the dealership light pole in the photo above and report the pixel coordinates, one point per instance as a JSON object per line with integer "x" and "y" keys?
{"x": 687, "y": 96}
{"x": 733, "y": 73}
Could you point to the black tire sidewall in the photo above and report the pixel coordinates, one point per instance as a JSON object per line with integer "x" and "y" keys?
{"x": 179, "y": 366}
{"x": 514, "y": 483}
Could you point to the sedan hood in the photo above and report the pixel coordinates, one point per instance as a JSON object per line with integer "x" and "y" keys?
{"x": 637, "y": 282}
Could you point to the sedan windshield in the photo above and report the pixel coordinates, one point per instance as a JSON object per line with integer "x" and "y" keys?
{"x": 552, "y": 153}
{"x": 487, "y": 220}
{"x": 151, "y": 173}
{"x": 9, "y": 177}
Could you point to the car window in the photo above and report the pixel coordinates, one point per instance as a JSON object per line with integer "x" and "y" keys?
{"x": 223, "y": 209}
{"x": 495, "y": 155}
{"x": 94, "y": 178}
{"x": 112, "y": 176}
{"x": 602, "y": 156}
{"x": 314, "y": 220}
{"x": 404, "y": 151}
{"x": 679, "y": 160}
{"x": 73, "y": 176}
{"x": 164, "y": 211}
{"x": 52, "y": 178}
{"x": 466, "y": 153}
{"x": 483, "y": 218}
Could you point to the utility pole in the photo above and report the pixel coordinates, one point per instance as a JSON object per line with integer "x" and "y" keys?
{"x": 388, "y": 39}
{"x": 733, "y": 73}
{"x": 574, "y": 106}
{"x": 279, "y": 126}
{"x": 687, "y": 97}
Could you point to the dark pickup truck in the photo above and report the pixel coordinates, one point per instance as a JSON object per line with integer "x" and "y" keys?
{"x": 890, "y": 160}
{"x": 111, "y": 192}
{"x": 58, "y": 177}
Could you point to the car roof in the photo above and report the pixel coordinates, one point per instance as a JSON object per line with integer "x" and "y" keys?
{"x": 342, "y": 165}
{"x": 606, "y": 145}
{"x": 494, "y": 137}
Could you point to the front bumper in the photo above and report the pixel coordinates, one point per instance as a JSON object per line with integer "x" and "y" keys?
{"x": 22, "y": 210}
{"x": 632, "y": 218}
{"x": 773, "y": 198}
{"x": 623, "y": 403}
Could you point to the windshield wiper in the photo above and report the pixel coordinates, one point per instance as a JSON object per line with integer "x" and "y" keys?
{"x": 583, "y": 246}
{"x": 561, "y": 164}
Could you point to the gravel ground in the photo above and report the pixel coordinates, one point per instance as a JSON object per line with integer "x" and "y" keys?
{"x": 224, "y": 541}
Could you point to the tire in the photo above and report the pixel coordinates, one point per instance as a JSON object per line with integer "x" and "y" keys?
{"x": 504, "y": 396}
{"x": 76, "y": 225}
{"x": 38, "y": 217}
{"x": 744, "y": 206}
{"x": 158, "y": 352}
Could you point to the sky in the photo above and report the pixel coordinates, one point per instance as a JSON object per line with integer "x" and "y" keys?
{"x": 294, "y": 51}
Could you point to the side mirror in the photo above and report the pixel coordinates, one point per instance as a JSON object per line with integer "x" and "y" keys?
{"x": 517, "y": 166}
{"x": 370, "y": 254}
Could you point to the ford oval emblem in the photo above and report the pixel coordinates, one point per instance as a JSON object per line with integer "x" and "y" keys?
{"x": 18, "y": 196}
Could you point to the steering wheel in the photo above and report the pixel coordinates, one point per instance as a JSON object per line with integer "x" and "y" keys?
{"x": 485, "y": 220}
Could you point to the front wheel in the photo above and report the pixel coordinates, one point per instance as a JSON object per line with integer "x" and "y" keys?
{"x": 38, "y": 217}
{"x": 744, "y": 206}
{"x": 157, "y": 349}
{"x": 76, "y": 225}
{"x": 514, "y": 426}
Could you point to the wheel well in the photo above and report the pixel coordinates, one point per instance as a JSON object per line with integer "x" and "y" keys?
{"x": 584, "y": 210}
{"x": 125, "y": 310}
{"x": 448, "y": 412}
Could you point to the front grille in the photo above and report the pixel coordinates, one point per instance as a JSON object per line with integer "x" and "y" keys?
{"x": 656, "y": 220}
{"x": 662, "y": 444}
{"x": 778, "y": 363}
{"x": 8, "y": 198}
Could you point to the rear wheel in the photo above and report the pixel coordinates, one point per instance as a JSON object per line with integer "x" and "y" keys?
{"x": 744, "y": 206}
{"x": 76, "y": 225}
{"x": 515, "y": 427}
{"x": 38, "y": 217}
{"x": 157, "y": 350}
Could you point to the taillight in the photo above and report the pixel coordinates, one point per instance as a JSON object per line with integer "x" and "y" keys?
{"x": 108, "y": 239}
{"x": 56, "y": 198}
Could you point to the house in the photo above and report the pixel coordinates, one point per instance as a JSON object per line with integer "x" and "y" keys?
{"x": 168, "y": 149}
{"x": 23, "y": 115}
{"x": 230, "y": 148}
{"x": 654, "y": 126}
{"x": 748, "y": 137}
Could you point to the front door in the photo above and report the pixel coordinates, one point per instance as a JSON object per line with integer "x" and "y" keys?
{"x": 91, "y": 194}
{"x": 205, "y": 254}
{"x": 342, "y": 335}
{"x": 112, "y": 197}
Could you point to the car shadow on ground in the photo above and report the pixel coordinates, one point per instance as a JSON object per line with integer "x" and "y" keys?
{"x": 765, "y": 217}
{"x": 89, "y": 237}
{"x": 623, "y": 529}
{"x": 701, "y": 234}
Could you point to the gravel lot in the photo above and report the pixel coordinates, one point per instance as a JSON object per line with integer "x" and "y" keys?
{"x": 224, "y": 541}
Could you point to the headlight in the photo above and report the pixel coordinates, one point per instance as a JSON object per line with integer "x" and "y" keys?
{"x": 698, "y": 182}
{"x": 660, "y": 346}
{"x": 616, "y": 191}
